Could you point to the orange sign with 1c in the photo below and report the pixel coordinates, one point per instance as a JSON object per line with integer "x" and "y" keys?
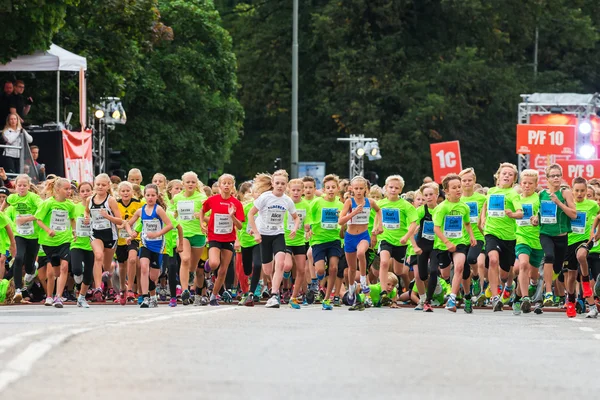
{"x": 546, "y": 139}
{"x": 445, "y": 158}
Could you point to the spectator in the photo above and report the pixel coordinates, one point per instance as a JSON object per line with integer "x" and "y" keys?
{"x": 4, "y": 179}
{"x": 5, "y": 100}
{"x": 12, "y": 137}
{"x": 41, "y": 168}
{"x": 18, "y": 103}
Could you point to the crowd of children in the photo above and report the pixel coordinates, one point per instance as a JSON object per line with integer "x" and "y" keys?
{"x": 348, "y": 243}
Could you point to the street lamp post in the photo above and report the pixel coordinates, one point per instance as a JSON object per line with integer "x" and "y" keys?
{"x": 295, "y": 134}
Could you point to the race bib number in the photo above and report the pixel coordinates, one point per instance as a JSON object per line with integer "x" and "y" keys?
{"x": 25, "y": 229}
{"x": 428, "y": 232}
{"x": 301, "y": 215}
{"x": 578, "y": 224}
{"x": 496, "y": 206}
{"x": 185, "y": 210}
{"x": 223, "y": 224}
{"x": 151, "y": 225}
{"x": 473, "y": 212}
{"x": 123, "y": 234}
{"x": 527, "y": 214}
{"x": 453, "y": 225}
{"x": 362, "y": 218}
{"x": 329, "y": 218}
{"x": 82, "y": 229}
{"x": 548, "y": 212}
{"x": 58, "y": 220}
{"x": 98, "y": 221}
{"x": 275, "y": 219}
{"x": 390, "y": 218}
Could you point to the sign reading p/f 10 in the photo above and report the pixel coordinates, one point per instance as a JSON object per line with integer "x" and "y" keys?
{"x": 587, "y": 169}
{"x": 546, "y": 139}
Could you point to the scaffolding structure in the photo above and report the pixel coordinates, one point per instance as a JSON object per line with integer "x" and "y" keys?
{"x": 356, "y": 161}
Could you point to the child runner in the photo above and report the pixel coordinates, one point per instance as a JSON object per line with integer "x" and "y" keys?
{"x": 271, "y": 207}
{"x": 424, "y": 245}
{"x": 357, "y": 238}
{"x": 310, "y": 195}
{"x": 135, "y": 177}
{"x": 7, "y": 242}
{"x": 82, "y": 254}
{"x": 226, "y": 215}
{"x": 102, "y": 210}
{"x": 188, "y": 204}
{"x": 55, "y": 216}
{"x": 250, "y": 249}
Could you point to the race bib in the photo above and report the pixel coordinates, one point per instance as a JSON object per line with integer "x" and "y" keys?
{"x": 82, "y": 229}
{"x": 185, "y": 210}
{"x": 98, "y": 221}
{"x": 362, "y": 218}
{"x": 151, "y": 225}
{"x": 496, "y": 206}
{"x": 428, "y": 232}
{"x": 58, "y": 221}
{"x": 275, "y": 219}
{"x": 223, "y": 224}
{"x": 123, "y": 234}
{"x": 390, "y": 218}
{"x": 329, "y": 218}
{"x": 473, "y": 212}
{"x": 548, "y": 212}
{"x": 453, "y": 225}
{"x": 527, "y": 214}
{"x": 25, "y": 229}
{"x": 578, "y": 224}
{"x": 301, "y": 215}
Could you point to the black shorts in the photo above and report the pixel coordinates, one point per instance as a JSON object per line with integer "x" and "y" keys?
{"x": 296, "y": 250}
{"x": 594, "y": 265}
{"x": 56, "y": 254}
{"x": 412, "y": 260}
{"x": 155, "y": 258}
{"x": 397, "y": 252}
{"x": 571, "y": 259}
{"x": 122, "y": 252}
{"x": 327, "y": 250}
{"x": 342, "y": 265}
{"x": 107, "y": 236}
{"x": 42, "y": 261}
{"x": 443, "y": 258}
{"x": 505, "y": 249}
{"x": 213, "y": 244}
{"x": 271, "y": 245}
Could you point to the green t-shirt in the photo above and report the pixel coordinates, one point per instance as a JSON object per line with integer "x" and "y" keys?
{"x": 323, "y": 219}
{"x": 171, "y": 236}
{"x": 475, "y": 203}
{"x": 553, "y": 220}
{"x": 581, "y": 226}
{"x": 82, "y": 230}
{"x": 288, "y": 223}
{"x": 4, "y": 239}
{"x": 26, "y": 206}
{"x": 497, "y": 223}
{"x": 56, "y": 215}
{"x": 452, "y": 219}
{"x": 441, "y": 291}
{"x": 376, "y": 294}
{"x": 186, "y": 208}
{"x": 245, "y": 238}
{"x": 397, "y": 217}
{"x": 527, "y": 233}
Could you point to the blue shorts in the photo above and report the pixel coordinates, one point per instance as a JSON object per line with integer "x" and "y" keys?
{"x": 327, "y": 250}
{"x": 351, "y": 242}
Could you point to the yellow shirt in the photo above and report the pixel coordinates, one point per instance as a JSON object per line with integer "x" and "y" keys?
{"x": 126, "y": 213}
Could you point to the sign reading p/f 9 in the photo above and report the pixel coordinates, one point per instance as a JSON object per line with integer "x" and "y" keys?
{"x": 587, "y": 169}
{"x": 546, "y": 139}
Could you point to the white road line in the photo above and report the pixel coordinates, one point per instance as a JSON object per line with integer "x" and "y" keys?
{"x": 586, "y": 329}
{"x": 576, "y": 320}
{"x": 9, "y": 342}
{"x": 22, "y": 364}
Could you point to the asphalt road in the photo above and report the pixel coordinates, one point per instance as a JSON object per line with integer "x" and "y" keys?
{"x": 109, "y": 352}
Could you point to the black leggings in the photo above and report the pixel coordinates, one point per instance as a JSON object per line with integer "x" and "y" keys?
{"x": 170, "y": 262}
{"x": 252, "y": 263}
{"x": 555, "y": 250}
{"x": 423, "y": 262}
{"x": 27, "y": 250}
{"x": 82, "y": 262}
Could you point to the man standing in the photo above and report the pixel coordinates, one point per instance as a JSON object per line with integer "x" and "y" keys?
{"x": 18, "y": 103}
{"x": 41, "y": 168}
{"x": 5, "y": 103}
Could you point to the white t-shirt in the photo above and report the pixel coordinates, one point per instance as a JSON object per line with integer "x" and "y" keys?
{"x": 271, "y": 210}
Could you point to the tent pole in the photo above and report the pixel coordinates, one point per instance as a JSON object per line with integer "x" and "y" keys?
{"x": 57, "y": 97}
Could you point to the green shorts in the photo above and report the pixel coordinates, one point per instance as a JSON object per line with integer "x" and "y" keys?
{"x": 535, "y": 256}
{"x": 197, "y": 241}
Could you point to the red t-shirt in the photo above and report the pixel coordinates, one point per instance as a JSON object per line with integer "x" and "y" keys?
{"x": 224, "y": 231}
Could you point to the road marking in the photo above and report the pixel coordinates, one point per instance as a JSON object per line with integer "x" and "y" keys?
{"x": 22, "y": 364}
{"x": 586, "y": 329}
{"x": 576, "y": 320}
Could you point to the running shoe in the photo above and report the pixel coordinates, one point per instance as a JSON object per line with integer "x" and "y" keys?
{"x": 204, "y": 301}
{"x": 476, "y": 287}
{"x": 145, "y": 302}
{"x": 173, "y": 302}
{"x": 571, "y": 312}
{"x": 250, "y": 300}
{"x": 234, "y": 293}
{"x": 49, "y": 301}
{"x": 451, "y": 304}
{"x": 273, "y": 302}
{"x": 538, "y": 310}
{"x": 111, "y": 294}
{"x": 385, "y": 300}
{"x": 526, "y": 305}
{"x": 140, "y": 299}
{"x": 310, "y": 297}
{"x": 488, "y": 292}
{"x": 227, "y": 297}
{"x": 294, "y": 303}
{"x": 580, "y": 306}
{"x": 326, "y": 305}
{"x": 427, "y": 307}
{"x": 58, "y": 303}
{"x": 421, "y": 304}
{"x": 130, "y": 296}
{"x": 18, "y": 296}
{"x": 337, "y": 302}
{"x": 29, "y": 278}
{"x": 98, "y": 297}
{"x": 258, "y": 290}
{"x": 593, "y": 313}
{"x": 531, "y": 290}
{"x": 178, "y": 291}
{"x": 587, "y": 289}
{"x": 366, "y": 289}
{"x": 506, "y": 296}
{"x": 81, "y": 302}
{"x": 243, "y": 299}
{"x": 516, "y": 307}
{"x": 214, "y": 302}
{"x": 286, "y": 295}
{"x": 548, "y": 300}
{"x": 197, "y": 300}
{"x": 358, "y": 306}
{"x": 153, "y": 302}
{"x": 480, "y": 301}
{"x": 468, "y": 306}
{"x": 163, "y": 293}
{"x": 185, "y": 297}
{"x": 368, "y": 302}
{"x": 318, "y": 297}
{"x": 497, "y": 304}
{"x": 118, "y": 299}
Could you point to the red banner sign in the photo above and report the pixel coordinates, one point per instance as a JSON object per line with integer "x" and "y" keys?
{"x": 587, "y": 169}
{"x": 77, "y": 148}
{"x": 546, "y": 139}
{"x": 445, "y": 158}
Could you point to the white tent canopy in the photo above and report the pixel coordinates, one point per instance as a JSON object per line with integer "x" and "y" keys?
{"x": 54, "y": 59}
